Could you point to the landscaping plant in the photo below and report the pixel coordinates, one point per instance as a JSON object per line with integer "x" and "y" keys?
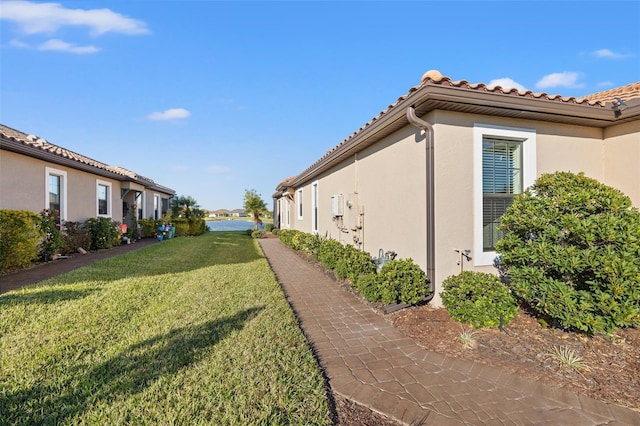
{"x": 479, "y": 299}
{"x": 51, "y": 241}
{"x": 20, "y": 235}
{"x": 571, "y": 251}
{"x": 402, "y": 281}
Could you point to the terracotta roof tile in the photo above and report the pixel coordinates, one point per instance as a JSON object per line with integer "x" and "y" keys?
{"x": 44, "y": 145}
{"x": 434, "y": 78}
{"x": 630, "y": 91}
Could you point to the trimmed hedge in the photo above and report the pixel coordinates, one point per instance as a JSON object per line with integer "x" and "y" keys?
{"x": 400, "y": 281}
{"x": 20, "y": 236}
{"x": 479, "y": 299}
{"x": 571, "y": 251}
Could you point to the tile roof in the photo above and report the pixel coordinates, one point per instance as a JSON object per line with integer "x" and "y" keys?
{"x": 435, "y": 78}
{"x": 630, "y": 91}
{"x": 42, "y": 144}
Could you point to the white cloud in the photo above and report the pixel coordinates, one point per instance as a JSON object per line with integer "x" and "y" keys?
{"x": 19, "y": 44}
{"x": 34, "y": 18}
{"x": 608, "y": 54}
{"x": 507, "y": 83}
{"x": 218, "y": 169}
{"x": 559, "y": 79}
{"x": 62, "y": 46}
{"x": 170, "y": 114}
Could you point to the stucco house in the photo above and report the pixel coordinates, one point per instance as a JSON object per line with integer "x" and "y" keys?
{"x": 430, "y": 176}
{"x": 36, "y": 174}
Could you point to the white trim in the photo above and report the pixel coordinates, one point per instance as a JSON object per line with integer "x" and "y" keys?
{"x": 109, "y": 197}
{"x": 299, "y": 205}
{"x": 529, "y": 172}
{"x": 157, "y": 206}
{"x": 63, "y": 189}
{"x": 315, "y": 196}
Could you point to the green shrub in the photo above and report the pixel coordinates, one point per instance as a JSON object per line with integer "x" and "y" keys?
{"x": 291, "y": 238}
{"x": 275, "y": 231}
{"x": 401, "y": 280}
{"x": 268, "y": 227}
{"x": 479, "y": 299}
{"x": 20, "y": 235}
{"x": 197, "y": 226}
{"x": 310, "y": 243}
{"x": 51, "y": 242}
{"x": 329, "y": 252}
{"x": 257, "y": 233}
{"x": 103, "y": 231}
{"x": 75, "y": 236}
{"x": 369, "y": 287}
{"x": 571, "y": 250}
{"x": 353, "y": 264}
{"x": 149, "y": 227}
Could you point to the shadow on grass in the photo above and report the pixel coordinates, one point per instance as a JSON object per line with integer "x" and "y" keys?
{"x": 45, "y": 296}
{"x": 126, "y": 374}
{"x": 171, "y": 256}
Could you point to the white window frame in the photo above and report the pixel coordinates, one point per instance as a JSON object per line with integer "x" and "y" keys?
{"x": 299, "y": 203}
{"x": 315, "y": 195}
{"x": 109, "y": 197}
{"x": 48, "y": 171}
{"x": 529, "y": 172}
{"x": 157, "y": 206}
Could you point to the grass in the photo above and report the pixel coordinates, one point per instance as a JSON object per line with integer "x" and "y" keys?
{"x": 191, "y": 331}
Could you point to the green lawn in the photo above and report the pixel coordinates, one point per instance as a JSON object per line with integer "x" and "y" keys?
{"x": 188, "y": 331}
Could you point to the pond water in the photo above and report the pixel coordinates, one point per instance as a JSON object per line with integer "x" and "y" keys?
{"x": 229, "y": 225}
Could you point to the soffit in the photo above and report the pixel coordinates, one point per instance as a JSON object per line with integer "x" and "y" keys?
{"x": 441, "y": 93}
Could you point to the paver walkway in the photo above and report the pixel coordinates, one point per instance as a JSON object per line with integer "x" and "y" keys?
{"x": 371, "y": 362}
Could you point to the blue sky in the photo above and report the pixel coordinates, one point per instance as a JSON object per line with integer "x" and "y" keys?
{"x": 214, "y": 97}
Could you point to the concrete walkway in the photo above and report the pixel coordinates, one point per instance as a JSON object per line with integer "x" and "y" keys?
{"x": 372, "y": 363}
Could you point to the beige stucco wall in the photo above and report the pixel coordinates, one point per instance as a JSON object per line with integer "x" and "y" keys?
{"x": 23, "y": 185}
{"x": 389, "y": 179}
{"x": 622, "y": 159}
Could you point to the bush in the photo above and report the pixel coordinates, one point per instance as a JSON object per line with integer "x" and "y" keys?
{"x": 257, "y": 233}
{"x": 51, "y": 241}
{"x": 571, "y": 250}
{"x": 369, "y": 287}
{"x": 103, "y": 231}
{"x": 268, "y": 227}
{"x": 330, "y": 252}
{"x": 197, "y": 226}
{"x": 310, "y": 243}
{"x": 401, "y": 280}
{"x": 75, "y": 236}
{"x": 353, "y": 264}
{"x": 149, "y": 227}
{"x": 478, "y": 299}
{"x": 19, "y": 238}
{"x": 291, "y": 238}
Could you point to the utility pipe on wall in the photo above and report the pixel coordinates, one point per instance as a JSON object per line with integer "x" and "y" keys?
{"x": 430, "y": 195}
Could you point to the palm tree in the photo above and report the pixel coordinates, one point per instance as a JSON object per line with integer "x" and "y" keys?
{"x": 254, "y": 205}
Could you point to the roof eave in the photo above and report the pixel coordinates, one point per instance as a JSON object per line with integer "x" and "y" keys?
{"x": 20, "y": 148}
{"x": 434, "y": 97}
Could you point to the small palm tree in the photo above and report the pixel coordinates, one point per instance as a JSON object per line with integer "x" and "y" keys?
{"x": 254, "y": 205}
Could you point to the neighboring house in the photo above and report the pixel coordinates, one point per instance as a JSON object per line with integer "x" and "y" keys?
{"x": 238, "y": 213}
{"x": 220, "y": 213}
{"x": 36, "y": 174}
{"x": 431, "y": 175}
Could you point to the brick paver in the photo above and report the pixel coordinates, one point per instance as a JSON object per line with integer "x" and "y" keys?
{"x": 371, "y": 362}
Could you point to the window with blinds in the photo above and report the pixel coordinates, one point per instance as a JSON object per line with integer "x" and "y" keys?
{"x": 501, "y": 180}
